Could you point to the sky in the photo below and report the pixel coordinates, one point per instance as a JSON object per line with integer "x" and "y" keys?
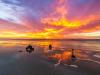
{"x": 50, "y": 19}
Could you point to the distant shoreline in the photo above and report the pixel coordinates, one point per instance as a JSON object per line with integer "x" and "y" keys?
{"x": 56, "y": 39}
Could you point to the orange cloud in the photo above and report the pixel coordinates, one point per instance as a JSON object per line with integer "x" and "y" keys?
{"x": 61, "y": 11}
{"x": 55, "y": 24}
{"x": 59, "y": 18}
{"x": 11, "y": 34}
{"x": 47, "y": 33}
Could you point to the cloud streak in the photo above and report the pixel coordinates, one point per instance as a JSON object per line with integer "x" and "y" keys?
{"x": 49, "y": 19}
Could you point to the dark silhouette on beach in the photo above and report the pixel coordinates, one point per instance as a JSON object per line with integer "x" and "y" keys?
{"x": 20, "y": 51}
{"x": 29, "y": 48}
{"x": 73, "y": 57}
{"x": 50, "y": 47}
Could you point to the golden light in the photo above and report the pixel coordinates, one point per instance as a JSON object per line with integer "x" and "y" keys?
{"x": 61, "y": 56}
{"x": 61, "y": 22}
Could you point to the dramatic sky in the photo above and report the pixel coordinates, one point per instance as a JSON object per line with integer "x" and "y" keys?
{"x": 56, "y": 19}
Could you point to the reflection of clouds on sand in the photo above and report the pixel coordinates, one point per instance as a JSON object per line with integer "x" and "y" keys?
{"x": 82, "y": 48}
{"x": 64, "y": 57}
{"x": 11, "y": 43}
{"x": 10, "y": 57}
{"x": 84, "y": 45}
{"x": 66, "y": 54}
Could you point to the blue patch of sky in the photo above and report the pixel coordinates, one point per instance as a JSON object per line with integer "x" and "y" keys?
{"x": 9, "y": 12}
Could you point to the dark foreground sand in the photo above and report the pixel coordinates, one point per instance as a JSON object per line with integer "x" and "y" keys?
{"x": 35, "y": 64}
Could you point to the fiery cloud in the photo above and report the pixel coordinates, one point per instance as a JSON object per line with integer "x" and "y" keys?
{"x": 59, "y": 17}
{"x": 49, "y": 19}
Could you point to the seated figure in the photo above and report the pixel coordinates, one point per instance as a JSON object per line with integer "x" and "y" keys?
{"x": 50, "y": 47}
{"x": 29, "y": 48}
{"x": 73, "y": 57}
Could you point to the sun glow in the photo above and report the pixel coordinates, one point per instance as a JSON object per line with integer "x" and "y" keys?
{"x": 52, "y": 19}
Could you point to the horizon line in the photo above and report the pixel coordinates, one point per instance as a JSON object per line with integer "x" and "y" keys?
{"x": 46, "y": 39}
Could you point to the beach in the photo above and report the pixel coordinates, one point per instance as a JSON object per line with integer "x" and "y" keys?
{"x": 14, "y": 62}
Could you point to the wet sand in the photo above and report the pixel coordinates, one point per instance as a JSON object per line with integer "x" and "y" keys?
{"x": 33, "y": 65}
{"x": 22, "y": 63}
{"x": 14, "y": 60}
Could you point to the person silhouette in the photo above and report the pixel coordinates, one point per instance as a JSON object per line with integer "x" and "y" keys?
{"x": 73, "y": 57}
{"x": 29, "y": 48}
{"x": 50, "y": 47}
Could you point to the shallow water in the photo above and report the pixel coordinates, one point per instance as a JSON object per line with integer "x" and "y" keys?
{"x": 9, "y": 54}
